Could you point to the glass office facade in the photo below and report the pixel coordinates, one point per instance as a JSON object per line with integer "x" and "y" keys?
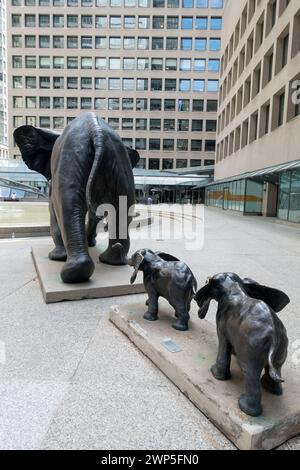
{"x": 289, "y": 196}
{"x": 243, "y": 195}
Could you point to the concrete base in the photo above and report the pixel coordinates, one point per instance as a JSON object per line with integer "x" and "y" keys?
{"x": 189, "y": 369}
{"x": 22, "y": 231}
{"x": 107, "y": 281}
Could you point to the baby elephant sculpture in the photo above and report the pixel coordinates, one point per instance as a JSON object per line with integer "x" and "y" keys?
{"x": 248, "y": 327}
{"x": 165, "y": 276}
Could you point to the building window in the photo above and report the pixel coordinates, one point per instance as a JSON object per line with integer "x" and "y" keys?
{"x": 201, "y": 22}
{"x": 197, "y": 125}
{"x": 182, "y": 145}
{"x": 169, "y": 125}
{"x": 213, "y": 85}
{"x": 72, "y": 83}
{"x": 154, "y": 144}
{"x": 181, "y": 163}
{"x": 100, "y": 103}
{"x": 171, "y": 64}
{"x": 210, "y": 146}
{"x": 184, "y": 85}
{"x": 215, "y": 23}
{"x": 168, "y": 145}
{"x": 186, "y": 44}
{"x": 200, "y": 44}
{"x": 157, "y": 43}
{"x": 141, "y": 104}
{"x": 211, "y": 125}
{"x": 172, "y": 22}
{"x": 141, "y": 124}
{"x": 212, "y": 106}
{"x": 156, "y": 84}
{"x": 153, "y": 162}
{"x": 158, "y": 22}
{"x": 183, "y": 105}
{"x": 196, "y": 146}
{"x": 155, "y": 104}
{"x": 142, "y": 84}
{"x": 215, "y": 44}
{"x": 281, "y": 109}
{"x": 169, "y": 105}
{"x": 127, "y": 104}
{"x": 167, "y": 163}
{"x": 172, "y": 44}
{"x": 140, "y": 144}
{"x": 198, "y": 105}
{"x": 58, "y": 21}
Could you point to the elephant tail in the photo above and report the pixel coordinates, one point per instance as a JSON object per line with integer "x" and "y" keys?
{"x": 274, "y": 373}
{"x": 96, "y": 135}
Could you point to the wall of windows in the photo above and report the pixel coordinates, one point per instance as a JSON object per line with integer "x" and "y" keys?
{"x": 289, "y": 196}
{"x": 244, "y": 196}
{"x": 150, "y": 68}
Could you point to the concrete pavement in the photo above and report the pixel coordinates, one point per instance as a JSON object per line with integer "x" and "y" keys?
{"x": 69, "y": 379}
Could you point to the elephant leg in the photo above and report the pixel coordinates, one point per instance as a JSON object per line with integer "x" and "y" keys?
{"x": 58, "y": 253}
{"x": 250, "y": 402}
{"x": 79, "y": 266}
{"x": 269, "y": 384}
{"x": 118, "y": 246}
{"x": 91, "y": 229}
{"x": 182, "y": 316}
{"x": 151, "y": 313}
{"x": 221, "y": 369}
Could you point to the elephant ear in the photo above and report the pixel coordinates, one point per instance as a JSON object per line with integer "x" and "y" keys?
{"x": 166, "y": 256}
{"x": 36, "y": 147}
{"x": 276, "y": 299}
{"x": 203, "y": 299}
{"x": 134, "y": 156}
{"x": 138, "y": 259}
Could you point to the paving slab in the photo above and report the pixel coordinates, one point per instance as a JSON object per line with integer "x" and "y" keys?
{"x": 189, "y": 369}
{"x": 107, "y": 281}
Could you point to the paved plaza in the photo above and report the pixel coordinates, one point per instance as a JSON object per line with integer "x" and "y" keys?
{"x": 69, "y": 379}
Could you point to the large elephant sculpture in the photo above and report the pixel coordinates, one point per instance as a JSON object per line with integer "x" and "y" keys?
{"x": 87, "y": 166}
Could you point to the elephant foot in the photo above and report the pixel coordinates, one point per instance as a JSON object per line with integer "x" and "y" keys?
{"x": 180, "y": 325}
{"x": 270, "y": 385}
{"x": 77, "y": 270}
{"x": 114, "y": 255}
{"x": 92, "y": 242}
{"x": 219, "y": 374}
{"x": 150, "y": 316}
{"x": 58, "y": 254}
{"x": 250, "y": 405}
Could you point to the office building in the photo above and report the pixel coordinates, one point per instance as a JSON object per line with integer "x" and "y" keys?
{"x": 258, "y": 158}
{"x": 149, "y": 67}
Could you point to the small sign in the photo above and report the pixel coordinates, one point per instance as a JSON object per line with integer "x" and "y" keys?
{"x": 171, "y": 346}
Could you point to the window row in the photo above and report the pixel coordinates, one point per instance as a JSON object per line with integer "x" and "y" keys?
{"x": 138, "y": 124}
{"x": 114, "y": 21}
{"x": 140, "y": 104}
{"x": 170, "y": 163}
{"x": 130, "y": 63}
{"x": 116, "y": 42}
{"x": 121, "y": 3}
{"x": 139, "y": 84}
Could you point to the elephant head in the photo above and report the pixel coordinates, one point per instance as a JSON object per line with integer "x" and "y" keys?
{"x": 216, "y": 286}
{"x": 36, "y": 147}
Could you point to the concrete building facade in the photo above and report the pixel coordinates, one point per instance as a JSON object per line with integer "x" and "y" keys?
{"x": 258, "y": 156}
{"x": 3, "y": 83}
{"x": 149, "y": 67}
